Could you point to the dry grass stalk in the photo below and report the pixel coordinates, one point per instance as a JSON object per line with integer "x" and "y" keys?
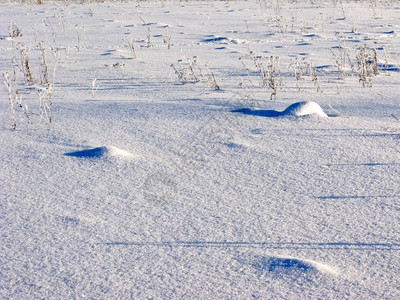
{"x": 25, "y": 67}
{"x": 14, "y": 31}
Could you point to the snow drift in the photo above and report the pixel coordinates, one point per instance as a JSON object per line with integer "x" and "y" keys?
{"x": 100, "y": 152}
{"x": 298, "y": 109}
{"x": 304, "y": 108}
{"x": 291, "y": 266}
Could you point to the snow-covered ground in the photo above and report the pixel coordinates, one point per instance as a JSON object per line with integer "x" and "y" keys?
{"x": 171, "y": 169}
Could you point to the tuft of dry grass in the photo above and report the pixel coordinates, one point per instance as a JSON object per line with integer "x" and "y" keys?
{"x": 189, "y": 70}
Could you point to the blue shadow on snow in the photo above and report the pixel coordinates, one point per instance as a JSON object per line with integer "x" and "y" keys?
{"x": 89, "y": 153}
{"x": 261, "y": 113}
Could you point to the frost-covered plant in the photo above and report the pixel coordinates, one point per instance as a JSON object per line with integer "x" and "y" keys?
{"x": 312, "y": 73}
{"x": 14, "y": 31}
{"x": 297, "y": 72}
{"x": 273, "y": 75}
{"x": 260, "y": 68}
{"x": 189, "y": 70}
{"x": 22, "y": 82}
{"x": 303, "y": 69}
{"x": 180, "y": 73}
{"x": 269, "y": 72}
{"x": 148, "y": 37}
{"x": 211, "y": 79}
{"x": 81, "y": 36}
{"x": 44, "y": 76}
{"x": 247, "y": 95}
{"x": 280, "y": 25}
{"x": 386, "y": 66}
{"x": 167, "y": 40}
{"x": 375, "y": 60}
{"x": 184, "y": 71}
{"x": 15, "y": 100}
{"x": 267, "y": 68}
{"x": 248, "y": 71}
{"x": 94, "y": 87}
{"x": 131, "y": 45}
{"x": 26, "y": 66}
{"x": 367, "y": 66}
{"x": 340, "y": 60}
{"x": 45, "y": 104}
{"x": 12, "y": 98}
{"x": 314, "y": 78}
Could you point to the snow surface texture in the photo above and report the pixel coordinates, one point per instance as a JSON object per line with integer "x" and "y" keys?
{"x": 205, "y": 193}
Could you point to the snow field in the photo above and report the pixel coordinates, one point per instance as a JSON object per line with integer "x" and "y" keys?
{"x": 151, "y": 183}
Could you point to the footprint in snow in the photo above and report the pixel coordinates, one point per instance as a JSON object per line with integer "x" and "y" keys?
{"x": 298, "y": 109}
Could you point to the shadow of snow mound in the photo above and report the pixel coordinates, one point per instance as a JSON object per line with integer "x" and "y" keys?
{"x": 99, "y": 152}
{"x": 214, "y": 39}
{"x": 258, "y": 112}
{"x": 298, "y": 109}
{"x": 293, "y": 267}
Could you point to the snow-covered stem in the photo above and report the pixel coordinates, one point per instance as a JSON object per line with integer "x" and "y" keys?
{"x": 15, "y": 100}
{"x": 14, "y": 31}
{"x": 44, "y": 78}
{"x": 148, "y": 37}
{"x": 339, "y": 63}
{"x": 167, "y": 39}
{"x": 131, "y": 45}
{"x": 297, "y": 72}
{"x": 273, "y": 83}
{"x": 25, "y": 66}
{"x": 314, "y": 78}
{"x": 375, "y": 60}
{"x": 11, "y": 97}
{"x": 94, "y": 87}
{"x": 190, "y": 71}
{"x": 247, "y": 69}
{"x": 196, "y": 64}
{"x": 212, "y": 80}
{"x": 180, "y": 74}
{"x": 366, "y": 65}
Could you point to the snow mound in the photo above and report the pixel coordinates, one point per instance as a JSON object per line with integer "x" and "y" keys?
{"x": 238, "y": 143}
{"x": 304, "y": 108}
{"x": 290, "y": 266}
{"x": 222, "y": 40}
{"x": 298, "y": 109}
{"x": 99, "y": 152}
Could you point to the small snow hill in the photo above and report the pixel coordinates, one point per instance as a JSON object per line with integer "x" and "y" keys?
{"x": 298, "y": 109}
{"x": 102, "y": 152}
{"x": 292, "y": 267}
{"x": 304, "y": 108}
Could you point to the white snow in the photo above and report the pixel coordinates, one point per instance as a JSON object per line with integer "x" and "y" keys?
{"x": 153, "y": 183}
